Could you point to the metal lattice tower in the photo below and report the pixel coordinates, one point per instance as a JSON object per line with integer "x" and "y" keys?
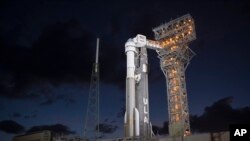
{"x": 174, "y": 59}
{"x": 91, "y": 127}
{"x": 173, "y": 66}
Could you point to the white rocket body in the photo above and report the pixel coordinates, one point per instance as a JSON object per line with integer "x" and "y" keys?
{"x": 137, "y": 110}
{"x": 132, "y": 114}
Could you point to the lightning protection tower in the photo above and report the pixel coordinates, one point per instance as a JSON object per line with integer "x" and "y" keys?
{"x": 91, "y": 127}
{"x": 174, "y": 37}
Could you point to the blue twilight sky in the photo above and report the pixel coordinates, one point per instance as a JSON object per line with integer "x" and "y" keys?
{"x": 47, "y": 49}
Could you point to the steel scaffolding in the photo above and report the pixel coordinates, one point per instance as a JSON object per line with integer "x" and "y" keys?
{"x": 175, "y": 56}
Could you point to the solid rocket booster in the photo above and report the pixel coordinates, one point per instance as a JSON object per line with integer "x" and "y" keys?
{"x": 132, "y": 114}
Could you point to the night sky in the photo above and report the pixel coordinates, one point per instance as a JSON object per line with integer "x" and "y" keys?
{"x": 47, "y": 49}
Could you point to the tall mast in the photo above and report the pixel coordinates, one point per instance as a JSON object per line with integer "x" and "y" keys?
{"x": 97, "y": 54}
{"x": 91, "y": 127}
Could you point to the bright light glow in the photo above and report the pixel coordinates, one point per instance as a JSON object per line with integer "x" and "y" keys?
{"x": 175, "y": 98}
{"x": 176, "y": 107}
{"x": 177, "y": 117}
{"x": 175, "y": 32}
{"x": 174, "y": 71}
{"x": 173, "y": 48}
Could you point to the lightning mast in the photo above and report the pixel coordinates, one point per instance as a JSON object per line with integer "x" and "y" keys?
{"x": 91, "y": 127}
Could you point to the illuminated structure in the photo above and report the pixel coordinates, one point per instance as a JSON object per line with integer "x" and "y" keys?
{"x": 175, "y": 56}
{"x": 171, "y": 45}
{"x": 91, "y": 127}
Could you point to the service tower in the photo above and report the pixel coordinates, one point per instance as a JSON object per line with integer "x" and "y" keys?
{"x": 174, "y": 59}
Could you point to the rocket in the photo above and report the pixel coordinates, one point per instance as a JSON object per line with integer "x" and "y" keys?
{"x": 131, "y": 119}
{"x": 136, "y": 118}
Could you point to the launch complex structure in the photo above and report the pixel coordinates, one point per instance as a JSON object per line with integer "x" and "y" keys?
{"x": 171, "y": 44}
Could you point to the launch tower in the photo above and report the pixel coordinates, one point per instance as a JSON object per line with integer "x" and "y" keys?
{"x": 174, "y": 37}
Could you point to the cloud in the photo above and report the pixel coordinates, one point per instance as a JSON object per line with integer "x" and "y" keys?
{"x": 64, "y": 53}
{"x": 66, "y": 99}
{"x": 11, "y": 127}
{"x": 19, "y": 115}
{"x": 30, "y": 116}
{"x": 56, "y": 129}
{"x": 219, "y": 115}
{"x": 61, "y": 54}
{"x": 106, "y": 128}
{"x": 47, "y": 102}
{"x": 52, "y": 98}
{"x": 15, "y": 115}
{"x": 215, "y": 118}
